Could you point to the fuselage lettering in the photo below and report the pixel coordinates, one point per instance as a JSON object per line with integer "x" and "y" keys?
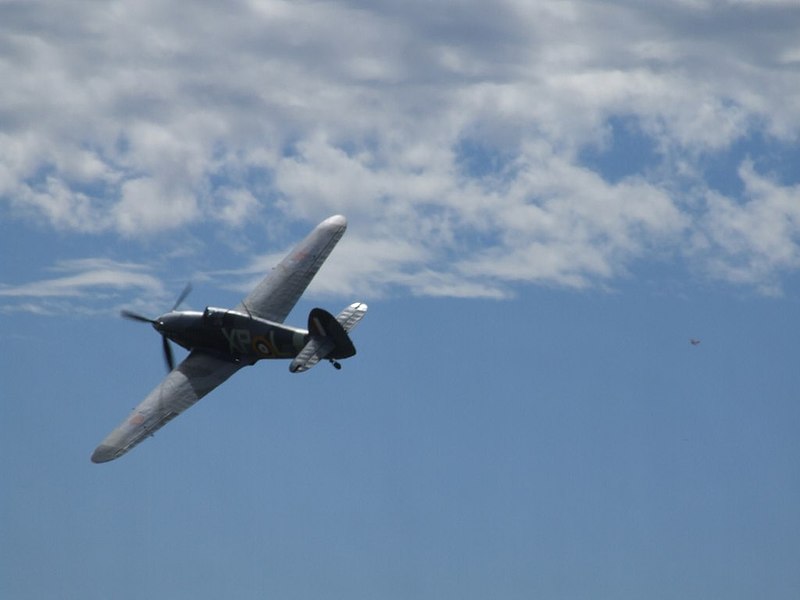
{"x": 238, "y": 340}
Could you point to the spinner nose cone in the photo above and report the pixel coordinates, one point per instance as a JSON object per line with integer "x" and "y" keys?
{"x": 171, "y": 321}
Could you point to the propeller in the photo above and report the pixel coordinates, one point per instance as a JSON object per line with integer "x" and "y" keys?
{"x": 168, "y": 353}
{"x": 167, "y": 348}
{"x": 186, "y": 291}
{"x": 126, "y": 314}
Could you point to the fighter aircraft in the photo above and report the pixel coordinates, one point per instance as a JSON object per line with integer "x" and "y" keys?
{"x": 222, "y": 341}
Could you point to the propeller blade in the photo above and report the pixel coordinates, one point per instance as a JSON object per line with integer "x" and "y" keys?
{"x": 183, "y": 295}
{"x": 135, "y": 317}
{"x": 168, "y": 354}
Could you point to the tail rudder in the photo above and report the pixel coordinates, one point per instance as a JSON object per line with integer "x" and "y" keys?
{"x": 322, "y": 324}
{"x": 327, "y": 337}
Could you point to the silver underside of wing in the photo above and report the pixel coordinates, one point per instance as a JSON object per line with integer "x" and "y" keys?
{"x": 278, "y": 292}
{"x": 195, "y": 377}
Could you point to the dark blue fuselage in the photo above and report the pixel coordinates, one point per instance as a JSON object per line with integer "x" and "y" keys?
{"x": 235, "y": 336}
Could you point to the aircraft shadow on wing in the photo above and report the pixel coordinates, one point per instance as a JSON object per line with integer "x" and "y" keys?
{"x": 221, "y": 341}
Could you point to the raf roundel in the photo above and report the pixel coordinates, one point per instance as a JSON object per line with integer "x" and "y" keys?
{"x": 262, "y": 346}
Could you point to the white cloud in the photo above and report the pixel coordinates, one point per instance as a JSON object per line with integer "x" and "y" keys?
{"x": 145, "y": 206}
{"x": 760, "y": 238}
{"x": 564, "y": 224}
{"x": 147, "y": 117}
{"x": 235, "y": 205}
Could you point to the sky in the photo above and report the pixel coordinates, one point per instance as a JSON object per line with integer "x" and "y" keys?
{"x": 546, "y": 202}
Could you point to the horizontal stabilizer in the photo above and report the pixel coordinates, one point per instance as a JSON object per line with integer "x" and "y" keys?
{"x": 351, "y": 315}
{"x": 315, "y": 350}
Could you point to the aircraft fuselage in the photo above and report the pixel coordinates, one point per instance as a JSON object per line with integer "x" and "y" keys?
{"x": 231, "y": 335}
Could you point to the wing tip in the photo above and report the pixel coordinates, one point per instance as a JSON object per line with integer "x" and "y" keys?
{"x": 335, "y": 222}
{"x": 104, "y": 453}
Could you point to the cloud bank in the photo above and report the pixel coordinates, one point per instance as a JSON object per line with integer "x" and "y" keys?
{"x": 473, "y": 146}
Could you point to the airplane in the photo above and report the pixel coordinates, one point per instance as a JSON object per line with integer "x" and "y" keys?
{"x": 222, "y": 341}
{"x": 694, "y": 341}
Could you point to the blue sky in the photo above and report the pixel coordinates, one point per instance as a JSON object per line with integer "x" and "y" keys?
{"x": 546, "y": 201}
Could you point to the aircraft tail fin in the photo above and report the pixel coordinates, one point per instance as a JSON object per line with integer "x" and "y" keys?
{"x": 322, "y": 324}
{"x": 328, "y": 337}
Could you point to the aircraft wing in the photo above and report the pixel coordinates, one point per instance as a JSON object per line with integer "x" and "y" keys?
{"x": 278, "y": 292}
{"x": 195, "y": 377}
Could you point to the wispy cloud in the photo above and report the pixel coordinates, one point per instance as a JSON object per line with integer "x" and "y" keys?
{"x": 86, "y": 279}
{"x": 84, "y": 276}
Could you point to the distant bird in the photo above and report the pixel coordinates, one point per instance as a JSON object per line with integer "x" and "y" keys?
{"x": 694, "y": 342}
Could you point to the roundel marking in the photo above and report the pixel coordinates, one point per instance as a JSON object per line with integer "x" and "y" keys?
{"x": 262, "y": 346}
